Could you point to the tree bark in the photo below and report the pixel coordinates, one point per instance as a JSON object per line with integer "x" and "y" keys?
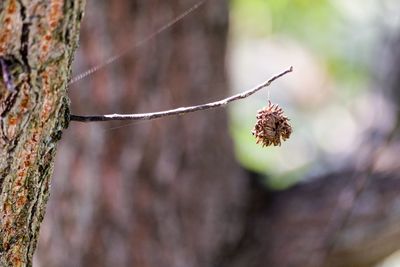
{"x": 37, "y": 42}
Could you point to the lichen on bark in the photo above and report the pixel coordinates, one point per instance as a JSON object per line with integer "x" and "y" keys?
{"x": 37, "y": 42}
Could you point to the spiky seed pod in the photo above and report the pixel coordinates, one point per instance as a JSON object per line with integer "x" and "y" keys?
{"x": 271, "y": 126}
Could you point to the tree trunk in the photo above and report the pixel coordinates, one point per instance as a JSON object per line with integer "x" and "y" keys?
{"x": 162, "y": 193}
{"x": 37, "y": 42}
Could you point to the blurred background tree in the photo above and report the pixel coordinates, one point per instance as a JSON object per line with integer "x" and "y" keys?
{"x": 162, "y": 193}
{"x": 171, "y": 193}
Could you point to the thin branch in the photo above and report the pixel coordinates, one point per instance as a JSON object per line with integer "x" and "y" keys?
{"x": 177, "y": 111}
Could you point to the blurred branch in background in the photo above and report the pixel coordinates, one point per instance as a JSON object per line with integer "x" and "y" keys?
{"x": 285, "y": 228}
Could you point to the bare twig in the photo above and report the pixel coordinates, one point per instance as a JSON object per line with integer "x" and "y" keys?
{"x": 178, "y": 111}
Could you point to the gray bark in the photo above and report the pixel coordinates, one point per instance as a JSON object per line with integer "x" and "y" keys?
{"x": 37, "y": 42}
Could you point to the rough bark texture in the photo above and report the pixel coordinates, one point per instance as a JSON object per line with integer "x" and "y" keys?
{"x": 37, "y": 42}
{"x": 161, "y": 193}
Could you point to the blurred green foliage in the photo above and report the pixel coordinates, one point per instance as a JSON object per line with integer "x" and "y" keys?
{"x": 318, "y": 24}
{"x": 303, "y": 18}
{"x": 336, "y": 37}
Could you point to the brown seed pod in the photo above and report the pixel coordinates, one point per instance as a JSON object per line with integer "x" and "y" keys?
{"x": 271, "y": 126}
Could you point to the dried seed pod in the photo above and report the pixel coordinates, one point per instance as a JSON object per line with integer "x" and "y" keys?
{"x": 271, "y": 126}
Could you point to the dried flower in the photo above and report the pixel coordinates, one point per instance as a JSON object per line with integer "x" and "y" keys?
{"x": 271, "y": 126}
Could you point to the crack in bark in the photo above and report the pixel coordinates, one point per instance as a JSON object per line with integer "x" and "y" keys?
{"x": 24, "y": 52}
{"x": 9, "y": 103}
